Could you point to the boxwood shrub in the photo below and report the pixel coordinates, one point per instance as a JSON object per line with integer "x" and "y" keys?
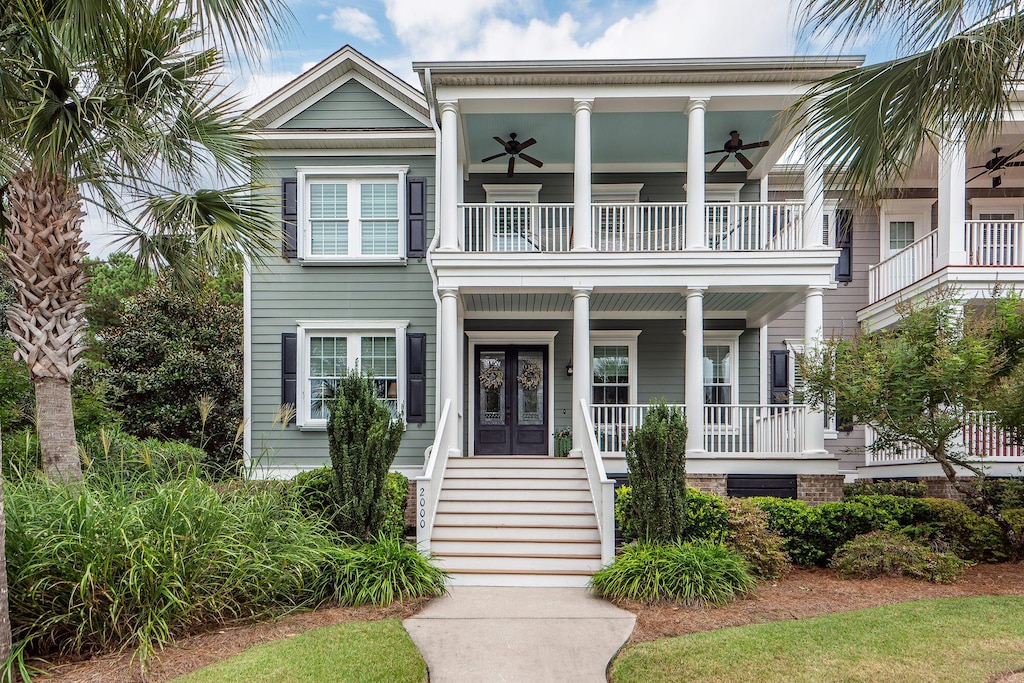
{"x": 885, "y": 553}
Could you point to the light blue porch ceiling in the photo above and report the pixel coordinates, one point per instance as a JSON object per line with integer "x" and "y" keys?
{"x": 618, "y": 137}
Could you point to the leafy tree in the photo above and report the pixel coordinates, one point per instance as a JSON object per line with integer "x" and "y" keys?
{"x": 110, "y": 283}
{"x": 363, "y": 441}
{"x": 174, "y": 362}
{"x": 120, "y": 100}
{"x": 957, "y": 68}
{"x": 916, "y": 383}
{"x": 656, "y": 457}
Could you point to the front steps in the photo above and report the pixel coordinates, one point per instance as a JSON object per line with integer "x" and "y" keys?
{"x": 516, "y": 521}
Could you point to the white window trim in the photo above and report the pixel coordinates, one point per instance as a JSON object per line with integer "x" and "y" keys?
{"x": 306, "y": 174}
{"x": 351, "y": 329}
{"x": 795, "y": 346}
{"x": 722, "y": 192}
{"x": 981, "y": 205}
{"x": 917, "y": 210}
{"x": 829, "y": 211}
{"x": 615, "y": 193}
{"x": 627, "y": 338}
{"x": 512, "y": 193}
{"x": 730, "y": 338}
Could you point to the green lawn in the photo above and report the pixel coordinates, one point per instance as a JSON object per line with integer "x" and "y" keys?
{"x": 365, "y": 651}
{"x": 969, "y": 639}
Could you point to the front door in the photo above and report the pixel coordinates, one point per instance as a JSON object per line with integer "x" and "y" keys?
{"x": 511, "y": 395}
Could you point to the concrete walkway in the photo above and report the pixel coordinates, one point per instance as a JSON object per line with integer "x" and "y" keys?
{"x": 484, "y": 634}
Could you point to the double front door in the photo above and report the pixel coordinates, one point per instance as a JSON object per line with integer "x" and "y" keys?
{"x": 511, "y": 395}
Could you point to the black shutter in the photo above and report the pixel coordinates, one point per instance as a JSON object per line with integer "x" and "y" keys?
{"x": 416, "y": 208}
{"x": 289, "y": 366}
{"x": 416, "y": 384}
{"x": 844, "y": 243}
{"x": 780, "y": 377}
{"x": 289, "y": 217}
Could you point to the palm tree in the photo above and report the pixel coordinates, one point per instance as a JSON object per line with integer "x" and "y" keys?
{"x": 118, "y": 101}
{"x": 959, "y": 63}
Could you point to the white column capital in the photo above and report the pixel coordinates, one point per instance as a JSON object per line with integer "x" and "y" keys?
{"x": 697, "y": 103}
{"x": 448, "y": 107}
{"x": 815, "y": 291}
{"x": 448, "y": 292}
{"x": 695, "y": 290}
{"x": 582, "y": 291}
{"x": 582, "y": 105}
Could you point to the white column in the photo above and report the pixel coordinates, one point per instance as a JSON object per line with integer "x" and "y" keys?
{"x": 814, "y": 194}
{"x": 814, "y": 321}
{"x": 696, "y": 225}
{"x": 952, "y": 196}
{"x": 448, "y": 365}
{"x": 448, "y": 211}
{"x": 581, "y": 221}
{"x": 693, "y": 389}
{"x": 580, "y": 361}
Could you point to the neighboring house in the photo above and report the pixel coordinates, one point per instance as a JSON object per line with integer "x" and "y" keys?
{"x": 497, "y": 307}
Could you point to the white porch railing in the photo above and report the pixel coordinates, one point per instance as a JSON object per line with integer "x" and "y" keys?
{"x": 428, "y": 485}
{"x": 754, "y": 226}
{"x": 602, "y": 489}
{"x": 981, "y": 440}
{"x": 516, "y": 227}
{"x": 994, "y": 243}
{"x": 639, "y": 227}
{"x": 728, "y": 429}
{"x": 903, "y": 268}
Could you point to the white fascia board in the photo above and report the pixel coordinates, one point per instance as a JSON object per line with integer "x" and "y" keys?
{"x": 392, "y": 135}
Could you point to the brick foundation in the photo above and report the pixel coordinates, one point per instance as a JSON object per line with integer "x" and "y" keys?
{"x": 940, "y": 487}
{"x": 708, "y": 483}
{"x": 819, "y": 488}
{"x": 410, "y": 506}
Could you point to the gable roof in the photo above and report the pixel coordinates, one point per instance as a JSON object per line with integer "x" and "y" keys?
{"x": 322, "y": 79}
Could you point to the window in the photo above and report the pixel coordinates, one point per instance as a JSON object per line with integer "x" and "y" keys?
{"x": 352, "y": 213}
{"x": 796, "y": 385}
{"x": 901, "y": 235}
{"x": 513, "y": 225}
{"x": 615, "y": 218}
{"x": 613, "y": 368}
{"x": 328, "y": 348}
{"x": 903, "y": 221}
{"x": 721, "y": 374}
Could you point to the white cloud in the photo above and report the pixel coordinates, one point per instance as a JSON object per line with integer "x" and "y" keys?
{"x": 356, "y": 22}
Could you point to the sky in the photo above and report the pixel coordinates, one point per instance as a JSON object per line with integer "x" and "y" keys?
{"x": 395, "y": 33}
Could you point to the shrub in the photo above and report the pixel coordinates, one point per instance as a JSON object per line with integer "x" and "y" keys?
{"x": 386, "y": 570}
{"x": 794, "y": 521}
{"x": 895, "y": 487}
{"x": 752, "y": 539}
{"x": 707, "y": 518}
{"x": 363, "y": 441}
{"x": 883, "y": 553}
{"x": 1004, "y": 493}
{"x": 315, "y": 494}
{"x": 904, "y": 511}
{"x": 696, "y": 573}
{"x": 113, "y": 453}
{"x": 655, "y": 455}
{"x": 971, "y": 536}
{"x": 623, "y": 517}
{"x": 396, "y": 490}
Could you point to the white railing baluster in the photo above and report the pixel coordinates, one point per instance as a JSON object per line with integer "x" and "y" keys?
{"x": 981, "y": 440}
{"x": 903, "y": 268}
{"x": 993, "y": 243}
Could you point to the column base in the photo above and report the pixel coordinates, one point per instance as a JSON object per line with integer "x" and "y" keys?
{"x": 696, "y": 452}
{"x": 815, "y": 453}
{"x": 698, "y": 247}
{"x": 448, "y": 249}
{"x": 583, "y": 249}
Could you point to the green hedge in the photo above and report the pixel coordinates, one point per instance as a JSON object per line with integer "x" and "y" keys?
{"x": 706, "y": 516}
{"x": 316, "y": 495}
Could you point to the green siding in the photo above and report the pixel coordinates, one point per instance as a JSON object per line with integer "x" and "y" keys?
{"x": 285, "y": 291}
{"x": 352, "y": 105}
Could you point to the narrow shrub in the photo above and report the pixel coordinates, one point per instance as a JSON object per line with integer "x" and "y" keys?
{"x": 363, "y": 441}
{"x": 750, "y": 536}
{"x": 386, "y": 570}
{"x": 896, "y": 487}
{"x": 623, "y": 516}
{"x": 396, "y": 489}
{"x": 655, "y": 455}
{"x": 883, "y": 553}
{"x": 315, "y": 493}
{"x": 697, "y": 573}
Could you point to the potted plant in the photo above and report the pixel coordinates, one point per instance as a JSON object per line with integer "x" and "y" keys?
{"x": 563, "y": 442}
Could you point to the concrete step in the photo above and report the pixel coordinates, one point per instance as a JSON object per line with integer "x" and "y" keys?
{"x": 538, "y": 532}
{"x": 490, "y": 546}
{"x": 527, "y": 519}
{"x": 513, "y": 461}
{"x": 530, "y": 494}
{"x": 534, "y": 579}
{"x": 518, "y": 564}
{"x": 514, "y": 483}
{"x": 519, "y": 472}
{"x": 553, "y": 507}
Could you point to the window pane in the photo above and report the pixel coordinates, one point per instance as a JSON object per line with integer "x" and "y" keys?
{"x": 901, "y": 234}
{"x": 996, "y": 217}
{"x": 718, "y": 374}
{"x": 611, "y": 364}
{"x": 328, "y": 238}
{"x": 378, "y": 357}
{"x": 328, "y": 200}
{"x": 327, "y": 362}
{"x": 379, "y": 218}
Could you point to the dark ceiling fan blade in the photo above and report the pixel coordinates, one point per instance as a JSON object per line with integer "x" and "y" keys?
{"x": 501, "y": 142}
{"x": 719, "y": 164}
{"x": 1012, "y": 163}
{"x": 527, "y": 157}
{"x": 716, "y": 151}
{"x": 492, "y": 158}
{"x": 744, "y": 160}
{"x": 511, "y": 166}
{"x": 977, "y": 176}
{"x": 971, "y": 168}
{"x": 755, "y": 145}
{"x": 526, "y": 144}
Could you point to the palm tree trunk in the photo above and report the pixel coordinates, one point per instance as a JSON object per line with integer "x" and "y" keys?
{"x": 44, "y": 253}
{"x": 5, "y": 606}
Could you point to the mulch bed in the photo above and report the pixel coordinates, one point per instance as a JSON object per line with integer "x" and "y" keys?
{"x": 193, "y": 653}
{"x": 811, "y": 592}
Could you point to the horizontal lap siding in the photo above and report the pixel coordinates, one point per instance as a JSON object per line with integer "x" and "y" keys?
{"x": 840, "y": 309}
{"x": 284, "y": 292}
{"x": 352, "y": 105}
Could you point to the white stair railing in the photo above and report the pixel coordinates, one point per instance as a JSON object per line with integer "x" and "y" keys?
{"x": 601, "y": 488}
{"x": 428, "y": 485}
{"x": 903, "y": 268}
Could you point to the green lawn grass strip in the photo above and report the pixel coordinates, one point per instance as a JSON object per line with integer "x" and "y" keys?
{"x": 968, "y": 639}
{"x": 363, "y": 652}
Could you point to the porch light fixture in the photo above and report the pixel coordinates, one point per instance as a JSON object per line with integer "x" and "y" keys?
{"x": 568, "y": 369}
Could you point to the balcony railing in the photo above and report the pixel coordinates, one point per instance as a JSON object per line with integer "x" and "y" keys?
{"x": 631, "y": 227}
{"x": 903, "y": 268}
{"x": 760, "y": 430}
{"x": 980, "y": 440}
{"x": 994, "y": 243}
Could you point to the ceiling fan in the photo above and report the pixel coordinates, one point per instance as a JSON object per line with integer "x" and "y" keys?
{"x": 997, "y": 163}
{"x": 735, "y": 146}
{"x": 514, "y": 148}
